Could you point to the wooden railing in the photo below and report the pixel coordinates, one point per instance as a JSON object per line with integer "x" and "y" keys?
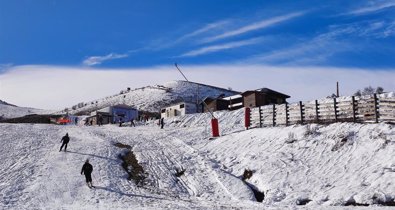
{"x": 351, "y": 109}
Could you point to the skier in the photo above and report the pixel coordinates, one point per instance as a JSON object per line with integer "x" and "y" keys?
{"x": 132, "y": 122}
{"x": 120, "y": 122}
{"x": 65, "y": 140}
{"x": 87, "y": 169}
{"x": 100, "y": 120}
{"x": 162, "y": 123}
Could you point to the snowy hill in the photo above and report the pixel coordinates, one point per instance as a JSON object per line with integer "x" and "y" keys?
{"x": 152, "y": 98}
{"x": 319, "y": 166}
{"x": 11, "y": 111}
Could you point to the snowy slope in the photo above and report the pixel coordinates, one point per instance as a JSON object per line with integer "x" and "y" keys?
{"x": 152, "y": 98}
{"x": 327, "y": 164}
{"x": 11, "y": 111}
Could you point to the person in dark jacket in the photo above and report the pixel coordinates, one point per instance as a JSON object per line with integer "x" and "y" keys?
{"x": 120, "y": 122}
{"x": 100, "y": 120}
{"x": 162, "y": 123}
{"x": 132, "y": 122}
{"x": 65, "y": 140}
{"x": 87, "y": 169}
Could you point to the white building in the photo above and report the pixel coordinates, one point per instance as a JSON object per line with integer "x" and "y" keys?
{"x": 179, "y": 109}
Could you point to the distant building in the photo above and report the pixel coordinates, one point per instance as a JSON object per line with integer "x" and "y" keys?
{"x": 179, "y": 109}
{"x": 263, "y": 96}
{"x": 113, "y": 114}
{"x": 214, "y": 104}
{"x": 235, "y": 102}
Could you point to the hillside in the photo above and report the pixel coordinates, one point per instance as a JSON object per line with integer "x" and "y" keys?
{"x": 152, "y": 98}
{"x": 319, "y": 166}
{"x": 11, "y": 111}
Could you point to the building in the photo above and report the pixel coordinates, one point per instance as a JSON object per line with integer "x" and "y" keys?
{"x": 263, "y": 96}
{"x": 113, "y": 114}
{"x": 235, "y": 102}
{"x": 214, "y": 104}
{"x": 179, "y": 109}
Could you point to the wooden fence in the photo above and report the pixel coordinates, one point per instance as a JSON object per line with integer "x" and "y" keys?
{"x": 352, "y": 109}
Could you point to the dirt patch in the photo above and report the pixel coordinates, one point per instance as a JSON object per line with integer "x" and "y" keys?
{"x": 131, "y": 166}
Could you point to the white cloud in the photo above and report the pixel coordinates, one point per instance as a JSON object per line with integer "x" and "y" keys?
{"x": 254, "y": 26}
{"x": 373, "y": 7}
{"x": 54, "y": 87}
{"x": 311, "y": 52}
{"x": 205, "y": 29}
{"x": 96, "y": 60}
{"x": 215, "y": 48}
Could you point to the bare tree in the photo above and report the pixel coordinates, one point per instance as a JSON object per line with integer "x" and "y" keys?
{"x": 379, "y": 90}
{"x": 358, "y": 93}
{"x": 368, "y": 91}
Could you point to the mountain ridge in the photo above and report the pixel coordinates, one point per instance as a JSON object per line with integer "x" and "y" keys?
{"x": 152, "y": 98}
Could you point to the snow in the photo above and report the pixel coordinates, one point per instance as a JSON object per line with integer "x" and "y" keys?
{"x": 152, "y": 98}
{"x": 9, "y": 111}
{"x": 327, "y": 164}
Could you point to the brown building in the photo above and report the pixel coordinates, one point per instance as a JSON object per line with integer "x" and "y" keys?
{"x": 214, "y": 104}
{"x": 261, "y": 97}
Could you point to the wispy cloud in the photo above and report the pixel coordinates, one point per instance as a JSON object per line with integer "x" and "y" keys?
{"x": 373, "y": 7}
{"x": 215, "y": 48}
{"x": 163, "y": 42}
{"x": 205, "y": 29}
{"x": 319, "y": 49}
{"x": 5, "y": 66}
{"x": 254, "y": 26}
{"x": 312, "y": 52}
{"x": 97, "y": 60}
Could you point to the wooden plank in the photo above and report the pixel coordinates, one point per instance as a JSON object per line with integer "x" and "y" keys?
{"x": 390, "y": 100}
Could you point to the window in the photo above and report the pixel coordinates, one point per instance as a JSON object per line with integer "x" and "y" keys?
{"x": 182, "y": 106}
{"x": 163, "y": 110}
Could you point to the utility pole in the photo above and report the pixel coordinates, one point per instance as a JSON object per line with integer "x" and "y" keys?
{"x": 337, "y": 89}
{"x": 214, "y": 121}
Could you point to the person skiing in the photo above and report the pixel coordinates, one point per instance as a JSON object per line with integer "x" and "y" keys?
{"x": 100, "y": 120}
{"x": 65, "y": 140}
{"x": 162, "y": 123}
{"x": 87, "y": 169}
{"x": 120, "y": 122}
{"x": 132, "y": 122}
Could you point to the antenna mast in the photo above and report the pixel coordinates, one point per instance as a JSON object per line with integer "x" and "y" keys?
{"x": 197, "y": 99}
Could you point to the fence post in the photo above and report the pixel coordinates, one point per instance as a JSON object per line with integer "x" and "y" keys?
{"x": 260, "y": 116}
{"x": 353, "y": 109}
{"x": 247, "y": 117}
{"x": 317, "y": 112}
{"x": 335, "y": 106}
{"x": 301, "y": 112}
{"x": 286, "y": 114}
{"x": 376, "y": 106}
{"x": 274, "y": 115}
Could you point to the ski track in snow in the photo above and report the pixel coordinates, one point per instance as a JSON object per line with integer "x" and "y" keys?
{"x": 329, "y": 166}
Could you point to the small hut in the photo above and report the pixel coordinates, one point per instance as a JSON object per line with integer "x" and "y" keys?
{"x": 263, "y": 96}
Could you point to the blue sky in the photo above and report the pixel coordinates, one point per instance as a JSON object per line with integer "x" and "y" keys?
{"x": 131, "y": 33}
{"x": 301, "y": 48}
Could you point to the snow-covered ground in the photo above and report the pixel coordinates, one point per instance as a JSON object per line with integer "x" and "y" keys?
{"x": 7, "y": 111}
{"x": 327, "y": 164}
{"x": 153, "y": 98}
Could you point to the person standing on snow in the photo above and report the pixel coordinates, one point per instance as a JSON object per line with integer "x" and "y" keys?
{"x": 65, "y": 140}
{"x": 162, "y": 123}
{"x": 132, "y": 122}
{"x": 120, "y": 122}
{"x": 87, "y": 169}
{"x": 100, "y": 120}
